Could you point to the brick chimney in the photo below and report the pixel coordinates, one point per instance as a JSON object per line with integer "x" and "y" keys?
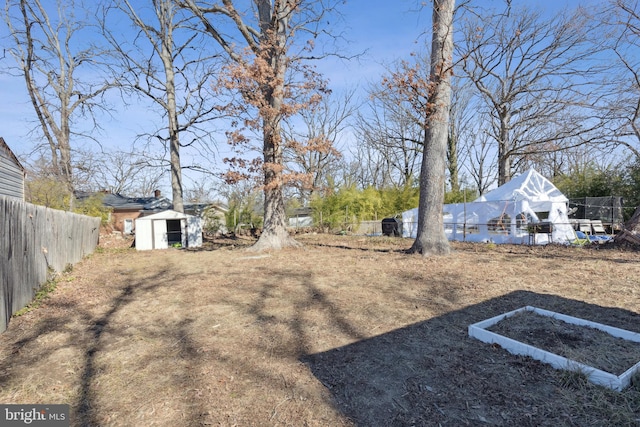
{"x": 157, "y": 193}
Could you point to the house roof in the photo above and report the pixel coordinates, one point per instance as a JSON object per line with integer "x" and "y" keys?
{"x": 117, "y": 201}
{"x": 198, "y": 208}
{"x": 120, "y": 202}
{"x": 5, "y": 148}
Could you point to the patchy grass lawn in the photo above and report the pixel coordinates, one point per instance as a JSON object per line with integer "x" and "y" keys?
{"x": 346, "y": 331}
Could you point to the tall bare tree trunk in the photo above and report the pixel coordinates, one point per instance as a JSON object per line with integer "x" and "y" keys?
{"x": 504, "y": 156}
{"x": 274, "y": 234}
{"x": 261, "y": 76}
{"x": 64, "y": 147}
{"x": 166, "y": 54}
{"x": 175, "y": 82}
{"x": 176, "y": 169}
{"x": 431, "y": 238}
{"x": 58, "y": 136}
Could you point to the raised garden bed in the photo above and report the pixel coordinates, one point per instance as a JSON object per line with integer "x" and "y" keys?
{"x": 607, "y": 355}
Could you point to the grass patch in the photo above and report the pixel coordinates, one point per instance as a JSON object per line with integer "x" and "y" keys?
{"x": 43, "y": 293}
{"x": 573, "y": 380}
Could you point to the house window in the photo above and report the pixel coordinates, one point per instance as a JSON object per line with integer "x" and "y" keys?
{"x": 128, "y": 226}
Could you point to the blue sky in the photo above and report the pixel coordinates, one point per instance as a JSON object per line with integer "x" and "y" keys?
{"x": 379, "y": 30}
{"x": 384, "y": 30}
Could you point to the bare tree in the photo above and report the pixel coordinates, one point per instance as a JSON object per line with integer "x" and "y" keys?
{"x": 533, "y": 75}
{"x": 167, "y": 64}
{"x": 481, "y": 164}
{"x": 266, "y": 63}
{"x": 431, "y": 238}
{"x": 203, "y": 191}
{"x": 51, "y": 54}
{"x": 130, "y": 173}
{"x": 622, "y": 17}
{"x": 460, "y": 120}
{"x": 363, "y": 168}
{"x": 392, "y": 129}
{"x": 575, "y": 161}
{"x": 320, "y": 129}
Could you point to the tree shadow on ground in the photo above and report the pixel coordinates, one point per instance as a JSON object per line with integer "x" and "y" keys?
{"x": 85, "y": 409}
{"x": 80, "y": 329}
{"x": 432, "y": 373}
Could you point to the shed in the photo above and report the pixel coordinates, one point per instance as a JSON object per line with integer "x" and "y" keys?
{"x": 166, "y": 229}
{"x": 12, "y": 173}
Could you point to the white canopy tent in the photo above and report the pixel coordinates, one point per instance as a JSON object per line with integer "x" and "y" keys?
{"x": 507, "y": 214}
{"x": 168, "y": 228}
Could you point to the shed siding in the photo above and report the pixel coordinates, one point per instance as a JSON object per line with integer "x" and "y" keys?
{"x": 151, "y": 231}
{"x": 159, "y": 234}
{"x": 193, "y": 235}
{"x": 11, "y": 175}
{"x": 144, "y": 239}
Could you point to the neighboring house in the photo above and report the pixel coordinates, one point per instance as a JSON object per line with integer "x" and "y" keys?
{"x": 125, "y": 210}
{"x": 212, "y": 214}
{"x": 12, "y": 173}
{"x": 302, "y": 217}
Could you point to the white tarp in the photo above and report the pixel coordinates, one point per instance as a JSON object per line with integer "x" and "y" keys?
{"x": 504, "y": 214}
{"x": 151, "y": 231}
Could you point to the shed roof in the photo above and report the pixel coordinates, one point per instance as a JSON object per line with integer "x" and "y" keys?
{"x": 168, "y": 214}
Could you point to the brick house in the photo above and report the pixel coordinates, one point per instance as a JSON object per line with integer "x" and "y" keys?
{"x": 125, "y": 210}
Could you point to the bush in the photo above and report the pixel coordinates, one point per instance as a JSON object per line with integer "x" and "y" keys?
{"x": 92, "y": 206}
{"x": 348, "y": 206}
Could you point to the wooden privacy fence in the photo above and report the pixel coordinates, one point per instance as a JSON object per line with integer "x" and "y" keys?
{"x": 34, "y": 241}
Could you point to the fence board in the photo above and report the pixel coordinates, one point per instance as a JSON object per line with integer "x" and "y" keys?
{"x": 34, "y": 241}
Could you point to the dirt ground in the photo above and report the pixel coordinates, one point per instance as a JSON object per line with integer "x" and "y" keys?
{"x": 583, "y": 344}
{"x": 347, "y": 331}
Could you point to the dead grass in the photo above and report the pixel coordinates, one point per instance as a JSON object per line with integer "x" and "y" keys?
{"x": 345, "y": 331}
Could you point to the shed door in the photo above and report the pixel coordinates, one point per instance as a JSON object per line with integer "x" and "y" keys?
{"x": 174, "y": 231}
